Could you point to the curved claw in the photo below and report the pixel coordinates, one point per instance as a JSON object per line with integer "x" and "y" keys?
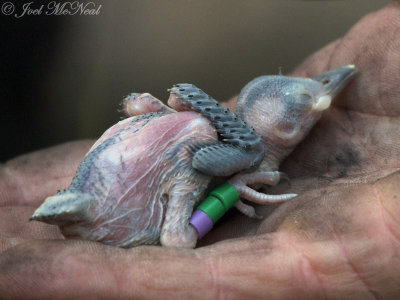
{"x": 247, "y": 210}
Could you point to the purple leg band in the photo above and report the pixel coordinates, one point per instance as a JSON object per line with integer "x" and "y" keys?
{"x": 201, "y": 222}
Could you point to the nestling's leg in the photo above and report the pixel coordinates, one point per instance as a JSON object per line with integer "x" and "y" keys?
{"x": 137, "y": 104}
{"x": 241, "y": 182}
{"x": 176, "y": 230}
{"x": 247, "y": 210}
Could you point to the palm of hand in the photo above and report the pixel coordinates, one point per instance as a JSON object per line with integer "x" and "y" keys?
{"x": 340, "y": 236}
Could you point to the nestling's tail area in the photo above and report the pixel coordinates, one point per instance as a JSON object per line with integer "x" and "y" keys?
{"x": 64, "y": 207}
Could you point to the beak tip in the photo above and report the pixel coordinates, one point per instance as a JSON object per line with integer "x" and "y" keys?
{"x": 335, "y": 80}
{"x": 353, "y": 68}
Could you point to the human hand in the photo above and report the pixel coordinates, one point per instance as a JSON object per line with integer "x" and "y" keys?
{"x": 340, "y": 238}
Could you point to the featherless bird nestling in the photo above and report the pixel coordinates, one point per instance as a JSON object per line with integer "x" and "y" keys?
{"x": 140, "y": 181}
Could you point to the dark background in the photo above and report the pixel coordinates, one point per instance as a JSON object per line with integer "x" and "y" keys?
{"x": 62, "y": 77}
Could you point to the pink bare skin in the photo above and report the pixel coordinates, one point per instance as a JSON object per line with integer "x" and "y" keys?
{"x": 133, "y": 185}
{"x": 137, "y": 104}
{"x": 339, "y": 239}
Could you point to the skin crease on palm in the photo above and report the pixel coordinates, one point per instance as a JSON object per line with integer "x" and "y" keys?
{"x": 339, "y": 239}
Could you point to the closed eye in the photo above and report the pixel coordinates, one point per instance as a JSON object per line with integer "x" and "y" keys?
{"x": 305, "y": 97}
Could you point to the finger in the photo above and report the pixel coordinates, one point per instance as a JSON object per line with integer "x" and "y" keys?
{"x": 9, "y": 242}
{"x": 14, "y": 222}
{"x": 355, "y": 138}
{"x": 373, "y": 45}
{"x": 30, "y": 178}
{"x": 359, "y": 137}
{"x": 274, "y": 265}
{"x": 66, "y": 270}
{"x": 230, "y": 104}
{"x": 359, "y": 223}
{"x": 346, "y": 145}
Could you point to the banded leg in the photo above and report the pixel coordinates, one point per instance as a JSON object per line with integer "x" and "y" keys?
{"x": 241, "y": 147}
{"x": 176, "y": 230}
{"x": 137, "y": 104}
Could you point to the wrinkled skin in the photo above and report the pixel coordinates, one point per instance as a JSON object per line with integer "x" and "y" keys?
{"x": 339, "y": 239}
{"x": 140, "y": 181}
{"x": 136, "y": 185}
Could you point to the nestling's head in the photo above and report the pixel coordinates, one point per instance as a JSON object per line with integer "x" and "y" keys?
{"x": 283, "y": 109}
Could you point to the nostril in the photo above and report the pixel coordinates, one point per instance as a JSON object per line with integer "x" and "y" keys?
{"x": 326, "y": 81}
